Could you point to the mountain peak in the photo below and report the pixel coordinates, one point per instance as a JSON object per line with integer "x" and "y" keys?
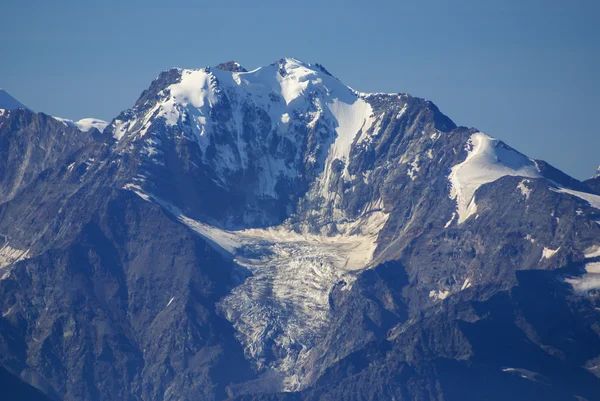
{"x": 231, "y": 66}
{"x": 7, "y": 102}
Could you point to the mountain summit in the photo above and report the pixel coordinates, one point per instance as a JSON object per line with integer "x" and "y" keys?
{"x": 275, "y": 234}
{"x": 7, "y": 102}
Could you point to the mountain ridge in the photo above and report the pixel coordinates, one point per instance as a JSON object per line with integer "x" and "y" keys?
{"x": 320, "y": 239}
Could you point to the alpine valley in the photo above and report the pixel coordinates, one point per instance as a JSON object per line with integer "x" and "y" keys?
{"x": 276, "y": 235}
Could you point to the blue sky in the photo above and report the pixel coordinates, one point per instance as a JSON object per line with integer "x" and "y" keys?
{"x": 523, "y": 71}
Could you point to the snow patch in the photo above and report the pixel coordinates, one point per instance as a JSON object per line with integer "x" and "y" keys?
{"x": 525, "y": 190}
{"x": 547, "y": 253}
{"x": 351, "y": 119}
{"x": 85, "y": 124}
{"x": 487, "y": 160}
{"x": 10, "y": 255}
{"x": 441, "y": 294}
{"x": 591, "y": 279}
{"x": 466, "y": 284}
{"x": 413, "y": 168}
{"x": 450, "y": 221}
{"x": 593, "y": 200}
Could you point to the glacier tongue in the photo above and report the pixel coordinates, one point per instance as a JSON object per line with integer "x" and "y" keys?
{"x": 281, "y": 311}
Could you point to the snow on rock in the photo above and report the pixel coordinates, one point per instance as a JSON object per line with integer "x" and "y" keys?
{"x": 593, "y": 200}
{"x": 85, "y": 124}
{"x": 487, "y": 160}
{"x": 547, "y": 253}
{"x": 413, "y": 168}
{"x": 449, "y": 222}
{"x": 441, "y": 294}
{"x": 466, "y": 284}
{"x": 285, "y": 94}
{"x": 591, "y": 279}
{"x": 525, "y": 190}
{"x": 285, "y": 303}
{"x": 293, "y": 274}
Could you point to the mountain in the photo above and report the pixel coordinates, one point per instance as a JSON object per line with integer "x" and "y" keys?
{"x": 594, "y": 183}
{"x": 274, "y": 234}
{"x": 85, "y": 124}
{"x": 16, "y": 390}
{"x": 7, "y": 102}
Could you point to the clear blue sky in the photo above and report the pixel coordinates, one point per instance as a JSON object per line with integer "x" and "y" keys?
{"x": 524, "y": 71}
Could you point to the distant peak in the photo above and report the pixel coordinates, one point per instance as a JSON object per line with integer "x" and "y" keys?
{"x": 285, "y": 65}
{"x": 7, "y": 102}
{"x": 231, "y": 66}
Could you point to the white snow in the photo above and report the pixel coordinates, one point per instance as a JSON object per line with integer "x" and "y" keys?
{"x": 591, "y": 279}
{"x": 587, "y": 282}
{"x": 85, "y": 124}
{"x": 292, "y": 276}
{"x": 487, "y": 160}
{"x": 547, "y": 253}
{"x": 466, "y": 284}
{"x": 440, "y": 294}
{"x": 413, "y": 168}
{"x": 525, "y": 190}
{"x": 450, "y": 221}
{"x": 351, "y": 118}
{"x": 10, "y": 255}
{"x": 138, "y": 191}
{"x": 592, "y": 252}
{"x": 401, "y": 112}
{"x": 593, "y": 200}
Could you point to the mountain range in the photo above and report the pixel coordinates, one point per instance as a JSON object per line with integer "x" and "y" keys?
{"x": 277, "y": 235}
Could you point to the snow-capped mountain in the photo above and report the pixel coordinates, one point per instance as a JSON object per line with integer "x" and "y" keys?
{"x": 85, "y": 124}
{"x": 242, "y": 233}
{"x": 7, "y": 102}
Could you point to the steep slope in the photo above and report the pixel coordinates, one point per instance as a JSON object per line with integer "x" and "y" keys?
{"x": 15, "y": 389}
{"x": 7, "y": 102}
{"x": 238, "y": 233}
{"x": 32, "y": 142}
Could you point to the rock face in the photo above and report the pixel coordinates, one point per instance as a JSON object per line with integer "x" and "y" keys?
{"x": 274, "y": 234}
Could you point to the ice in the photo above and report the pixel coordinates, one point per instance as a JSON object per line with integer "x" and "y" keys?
{"x": 593, "y": 200}
{"x": 487, "y": 160}
{"x": 285, "y": 302}
{"x": 351, "y": 119}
